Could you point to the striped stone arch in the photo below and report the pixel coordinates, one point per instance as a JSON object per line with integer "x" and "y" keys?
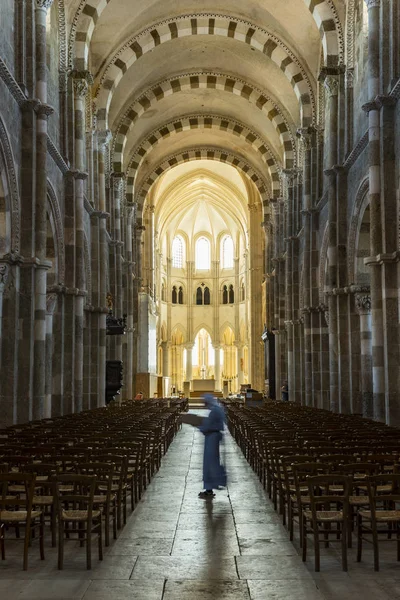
{"x": 226, "y": 83}
{"x": 205, "y": 24}
{"x": 202, "y": 153}
{"x": 208, "y": 122}
{"x": 323, "y": 11}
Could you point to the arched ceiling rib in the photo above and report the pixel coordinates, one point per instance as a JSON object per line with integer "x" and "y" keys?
{"x": 214, "y": 26}
{"x": 210, "y": 81}
{"x": 208, "y": 124}
{"x": 281, "y": 15}
{"x": 194, "y": 154}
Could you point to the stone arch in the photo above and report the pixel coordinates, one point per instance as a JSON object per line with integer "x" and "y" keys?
{"x": 200, "y": 24}
{"x": 361, "y": 202}
{"x": 227, "y": 325}
{"x": 55, "y": 219}
{"x": 208, "y": 122}
{"x": 178, "y": 328}
{"x": 9, "y": 195}
{"x": 196, "y": 154}
{"x": 323, "y": 12}
{"x": 227, "y": 83}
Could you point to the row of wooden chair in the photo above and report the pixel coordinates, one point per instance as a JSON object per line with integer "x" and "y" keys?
{"x": 78, "y": 472}
{"x": 324, "y": 470}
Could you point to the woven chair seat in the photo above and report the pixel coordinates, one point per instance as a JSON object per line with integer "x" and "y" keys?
{"x": 43, "y": 500}
{"x": 78, "y": 515}
{"x": 358, "y": 500}
{"x": 381, "y": 489}
{"x": 102, "y": 498}
{"x": 17, "y": 516}
{"x": 382, "y": 515}
{"x": 303, "y": 488}
{"x": 66, "y": 488}
{"x": 303, "y": 499}
{"x": 326, "y": 516}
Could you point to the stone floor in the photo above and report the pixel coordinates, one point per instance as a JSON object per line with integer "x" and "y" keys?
{"x": 178, "y": 547}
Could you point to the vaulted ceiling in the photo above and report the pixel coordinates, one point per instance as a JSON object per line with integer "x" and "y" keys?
{"x": 175, "y": 78}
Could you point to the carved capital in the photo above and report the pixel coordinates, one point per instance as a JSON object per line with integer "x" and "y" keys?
{"x": 331, "y": 84}
{"x": 104, "y": 137}
{"x": 51, "y": 301}
{"x": 81, "y": 87}
{"x": 305, "y": 134}
{"x": 363, "y": 304}
{"x": 43, "y": 4}
{"x": 349, "y": 78}
{"x": 3, "y": 274}
{"x": 43, "y": 110}
{"x": 373, "y": 3}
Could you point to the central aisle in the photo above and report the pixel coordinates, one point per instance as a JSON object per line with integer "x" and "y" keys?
{"x": 231, "y": 548}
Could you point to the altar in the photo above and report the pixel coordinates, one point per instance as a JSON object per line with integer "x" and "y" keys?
{"x": 203, "y": 385}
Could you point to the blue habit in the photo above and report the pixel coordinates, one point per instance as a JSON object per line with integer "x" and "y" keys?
{"x": 214, "y": 474}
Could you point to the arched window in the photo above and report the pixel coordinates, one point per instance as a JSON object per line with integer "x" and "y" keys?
{"x": 227, "y": 252}
{"x": 203, "y": 254}
{"x": 177, "y": 252}
{"x": 199, "y": 296}
{"x": 163, "y": 292}
{"x": 225, "y": 295}
{"x": 242, "y": 292}
{"x": 180, "y": 295}
{"x": 231, "y": 295}
{"x": 206, "y": 296}
{"x": 174, "y": 295}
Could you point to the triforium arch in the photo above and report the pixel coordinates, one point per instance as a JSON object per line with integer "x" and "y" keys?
{"x": 323, "y": 12}
{"x": 198, "y": 80}
{"x": 193, "y": 154}
{"x": 208, "y": 122}
{"x": 10, "y": 199}
{"x": 55, "y": 218}
{"x": 205, "y": 24}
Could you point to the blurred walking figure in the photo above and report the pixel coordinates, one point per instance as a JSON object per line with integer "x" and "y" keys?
{"x": 214, "y": 474}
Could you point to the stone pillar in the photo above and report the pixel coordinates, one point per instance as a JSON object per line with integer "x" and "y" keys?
{"x": 332, "y": 88}
{"x": 189, "y": 348}
{"x": 256, "y": 272}
{"x": 51, "y": 301}
{"x": 378, "y": 368}
{"x": 239, "y": 364}
{"x": 43, "y": 111}
{"x": 363, "y": 308}
{"x": 128, "y": 292}
{"x": 305, "y": 135}
{"x": 165, "y": 366}
{"x": 82, "y": 81}
{"x": 217, "y": 366}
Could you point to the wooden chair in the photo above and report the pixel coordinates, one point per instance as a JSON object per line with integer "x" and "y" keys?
{"x": 44, "y": 496}
{"x": 16, "y": 511}
{"x": 76, "y": 508}
{"x": 105, "y": 499}
{"x": 326, "y": 509}
{"x": 383, "y": 516}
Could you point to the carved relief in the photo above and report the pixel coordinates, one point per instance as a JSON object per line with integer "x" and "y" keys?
{"x": 363, "y": 304}
{"x": 331, "y": 84}
{"x": 44, "y": 4}
{"x": 51, "y": 301}
{"x": 3, "y": 274}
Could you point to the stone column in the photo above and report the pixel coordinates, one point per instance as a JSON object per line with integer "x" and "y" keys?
{"x": 239, "y": 364}
{"x": 128, "y": 291}
{"x": 363, "y": 308}
{"x": 217, "y": 366}
{"x": 332, "y": 88}
{"x": 116, "y": 253}
{"x": 51, "y": 301}
{"x": 189, "y": 348}
{"x": 82, "y": 81}
{"x": 43, "y": 111}
{"x": 305, "y": 135}
{"x": 378, "y": 368}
